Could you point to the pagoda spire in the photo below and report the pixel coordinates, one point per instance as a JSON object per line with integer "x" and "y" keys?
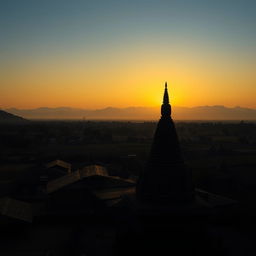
{"x": 166, "y": 107}
{"x": 166, "y": 96}
{"x": 166, "y": 178}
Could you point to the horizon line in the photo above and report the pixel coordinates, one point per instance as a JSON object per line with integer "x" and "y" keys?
{"x": 99, "y": 108}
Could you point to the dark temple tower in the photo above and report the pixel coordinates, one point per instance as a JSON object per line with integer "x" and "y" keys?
{"x": 165, "y": 179}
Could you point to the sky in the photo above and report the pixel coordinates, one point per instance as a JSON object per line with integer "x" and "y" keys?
{"x": 100, "y": 53}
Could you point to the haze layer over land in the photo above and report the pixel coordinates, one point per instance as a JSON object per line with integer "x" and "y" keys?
{"x": 138, "y": 113}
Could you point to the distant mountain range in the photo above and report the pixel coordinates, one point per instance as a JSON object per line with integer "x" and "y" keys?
{"x": 6, "y": 117}
{"x": 138, "y": 113}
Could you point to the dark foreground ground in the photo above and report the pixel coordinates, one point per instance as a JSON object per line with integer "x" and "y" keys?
{"x": 221, "y": 156}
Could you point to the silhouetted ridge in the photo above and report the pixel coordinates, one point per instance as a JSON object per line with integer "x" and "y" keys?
{"x": 138, "y": 113}
{"x": 7, "y": 117}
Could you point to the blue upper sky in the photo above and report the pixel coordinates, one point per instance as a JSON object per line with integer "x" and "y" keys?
{"x": 53, "y": 24}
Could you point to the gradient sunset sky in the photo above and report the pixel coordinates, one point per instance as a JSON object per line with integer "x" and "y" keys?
{"x": 94, "y": 54}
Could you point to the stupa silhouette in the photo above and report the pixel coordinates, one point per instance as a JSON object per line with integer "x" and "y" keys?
{"x": 166, "y": 179}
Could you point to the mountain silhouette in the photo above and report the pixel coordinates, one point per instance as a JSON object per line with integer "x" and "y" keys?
{"x": 138, "y": 113}
{"x": 6, "y": 117}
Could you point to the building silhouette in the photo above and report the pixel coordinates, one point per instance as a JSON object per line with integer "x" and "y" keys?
{"x": 166, "y": 178}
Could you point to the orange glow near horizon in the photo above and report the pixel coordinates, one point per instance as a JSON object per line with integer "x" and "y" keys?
{"x": 127, "y": 80}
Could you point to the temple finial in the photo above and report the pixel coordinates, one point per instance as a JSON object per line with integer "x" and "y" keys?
{"x": 166, "y": 107}
{"x": 166, "y": 96}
